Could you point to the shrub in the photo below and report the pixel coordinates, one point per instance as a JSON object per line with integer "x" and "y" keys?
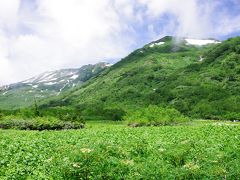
{"x": 115, "y": 114}
{"x": 40, "y": 123}
{"x": 25, "y": 113}
{"x": 1, "y": 116}
{"x": 232, "y": 116}
{"x": 154, "y": 115}
{"x": 73, "y": 117}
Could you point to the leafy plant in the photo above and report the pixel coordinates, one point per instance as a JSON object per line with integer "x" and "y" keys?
{"x": 154, "y": 115}
{"x": 40, "y": 123}
{"x": 206, "y": 150}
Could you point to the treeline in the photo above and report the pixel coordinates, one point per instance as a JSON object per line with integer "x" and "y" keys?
{"x": 81, "y": 113}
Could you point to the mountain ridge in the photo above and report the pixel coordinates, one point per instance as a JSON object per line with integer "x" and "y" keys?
{"x": 49, "y": 83}
{"x": 200, "y": 81}
{"x": 188, "y": 79}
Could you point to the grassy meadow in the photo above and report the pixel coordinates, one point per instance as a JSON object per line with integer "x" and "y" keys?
{"x": 152, "y": 98}
{"x": 113, "y": 150}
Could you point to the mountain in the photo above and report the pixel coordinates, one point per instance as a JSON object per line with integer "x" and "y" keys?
{"x": 184, "y": 40}
{"x": 199, "y": 77}
{"x": 51, "y": 83}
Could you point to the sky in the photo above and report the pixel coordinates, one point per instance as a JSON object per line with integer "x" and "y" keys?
{"x": 42, "y": 35}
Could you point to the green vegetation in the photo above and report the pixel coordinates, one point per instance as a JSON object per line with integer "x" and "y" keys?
{"x": 106, "y": 151}
{"x": 155, "y": 87}
{"x": 154, "y": 115}
{"x": 38, "y": 123}
{"x": 23, "y": 94}
{"x": 166, "y": 75}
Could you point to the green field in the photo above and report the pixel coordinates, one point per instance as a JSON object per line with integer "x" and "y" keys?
{"x": 199, "y": 150}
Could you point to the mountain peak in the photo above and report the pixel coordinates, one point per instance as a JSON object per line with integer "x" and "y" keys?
{"x": 185, "y": 40}
{"x": 50, "y": 83}
{"x": 164, "y": 39}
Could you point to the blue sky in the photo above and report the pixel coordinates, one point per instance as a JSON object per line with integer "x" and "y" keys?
{"x": 42, "y": 35}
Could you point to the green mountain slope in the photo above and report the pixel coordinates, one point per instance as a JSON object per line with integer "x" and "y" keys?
{"x": 199, "y": 81}
{"x": 45, "y": 85}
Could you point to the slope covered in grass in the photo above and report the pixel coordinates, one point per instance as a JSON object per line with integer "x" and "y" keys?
{"x": 199, "y": 81}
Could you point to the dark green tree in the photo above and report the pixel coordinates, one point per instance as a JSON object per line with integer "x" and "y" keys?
{"x": 36, "y": 109}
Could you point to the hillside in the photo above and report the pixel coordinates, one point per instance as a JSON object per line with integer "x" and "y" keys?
{"x": 200, "y": 78}
{"x": 45, "y": 85}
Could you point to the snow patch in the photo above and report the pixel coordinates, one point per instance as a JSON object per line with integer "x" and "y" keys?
{"x": 62, "y": 88}
{"x": 69, "y": 74}
{"x": 35, "y": 86}
{"x": 47, "y": 79}
{"x": 201, "y": 42}
{"x": 156, "y": 44}
{"x": 108, "y": 65}
{"x": 50, "y": 83}
{"x": 4, "y": 93}
{"x": 74, "y": 77}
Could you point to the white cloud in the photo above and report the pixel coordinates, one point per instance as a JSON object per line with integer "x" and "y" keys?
{"x": 194, "y": 18}
{"x": 64, "y": 34}
{"x": 40, "y": 35}
{"x": 8, "y": 13}
{"x": 191, "y": 18}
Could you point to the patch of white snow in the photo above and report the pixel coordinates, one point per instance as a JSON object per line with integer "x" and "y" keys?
{"x": 108, "y": 65}
{"x": 35, "y": 86}
{"x": 201, "y": 42}
{"x": 157, "y": 44}
{"x": 74, "y": 77}
{"x": 4, "y": 93}
{"x": 49, "y": 83}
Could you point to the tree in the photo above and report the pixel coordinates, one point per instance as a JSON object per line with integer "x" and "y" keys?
{"x": 36, "y": 109}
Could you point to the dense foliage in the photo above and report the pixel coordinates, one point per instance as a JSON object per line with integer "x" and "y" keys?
{"x": 200, "y": 82}
{"x": 154, "y": 115}
{"x": 154, "y": 85}
{"x": 117, "y": 152}
{"x": 38, "y": 123}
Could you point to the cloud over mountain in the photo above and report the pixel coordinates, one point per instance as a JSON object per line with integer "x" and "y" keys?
{"x": 40, "y": 35}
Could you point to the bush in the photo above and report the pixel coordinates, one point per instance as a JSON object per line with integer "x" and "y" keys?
{"x": 73, "y": 117}
{"x": 40, "y": 123}
{"x": 154, "y": 115}
{"x": 1, "y": 116}
{"x": 232, "y": 116}
{"x": 115, "y": 114}
{"x": 25, "y": 113}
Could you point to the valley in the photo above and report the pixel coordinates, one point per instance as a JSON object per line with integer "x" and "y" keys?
{"x": 119, "y": 90}
{"x": 169, "y": 110}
